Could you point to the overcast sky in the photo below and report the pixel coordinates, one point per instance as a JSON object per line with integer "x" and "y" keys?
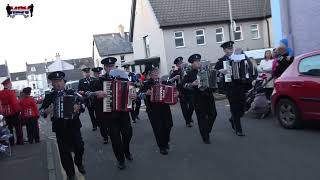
{"x": 58, "y": 26}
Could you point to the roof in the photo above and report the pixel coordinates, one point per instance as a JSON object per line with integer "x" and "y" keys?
{"x": 18, "y": 76}
{"x": 112, "y": 44}
{"x": 38, "y": 68}
{"x": 4, "y": 72}
{"x": 72, "y": 75}
{"x": 174, "y": 13}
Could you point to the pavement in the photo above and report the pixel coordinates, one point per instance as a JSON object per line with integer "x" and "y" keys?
{"x": 268, "y": 152}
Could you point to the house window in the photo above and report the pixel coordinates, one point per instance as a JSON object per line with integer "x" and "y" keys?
{"x": 200, "y": 37}
{"x": 238, "y": 34}
{"x": 122, "y": 58}
{"x": 146, "y": 42}
{"x": 179, "y": 39}
{"x": 33, "y": 69}
{"x": 220, "y": 35}
{"x": 17, "y": 78}
{"x": 255, "y": 34}
{"x": 33, "y": 86}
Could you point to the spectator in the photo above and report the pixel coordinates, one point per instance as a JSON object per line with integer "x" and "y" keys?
{"x": 285, "y": 44}
{"x": 265, "y": 70}
{"x": 282, "y": 62}
{"x": 173, "y": 68}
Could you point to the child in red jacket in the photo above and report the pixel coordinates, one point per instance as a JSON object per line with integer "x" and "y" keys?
{"x": 30, "y": 115}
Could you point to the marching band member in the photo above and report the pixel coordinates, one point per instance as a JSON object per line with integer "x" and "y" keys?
{"x": 159, "y": 113}
{"x": 184, "y": 94}
{"x": 234, "y": 90}
{"x": 67, "y": 131}
{"x": 11, "y": 110}
{"x": 99, "y": 114}
{"x": 85, "y": 85}
{"x": 203, "y": 101}
{"x": 118, "y": 123}
{"x": 30, "y": 115}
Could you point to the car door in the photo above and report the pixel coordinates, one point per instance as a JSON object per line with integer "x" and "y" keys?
{"x": 308, "y": 86}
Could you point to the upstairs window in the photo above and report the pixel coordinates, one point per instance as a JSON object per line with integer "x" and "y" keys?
{"x": 220, "y": 35}
{"x": 179, "y": 39}
{"x": 200, "y": 37}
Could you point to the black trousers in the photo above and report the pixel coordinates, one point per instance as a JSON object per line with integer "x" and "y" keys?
{"x": 206, "y": 112}
{"x": 92, "y": 117}
{"x": 187, "y": 108}
{"x": 161, "y": 121}
{"x": 268, "y": 92}
{"x": 70, "y": 140}
{"x": 237, "y": 100}
{"x": 33, "y": 130}
{"x": 120, "y": 131}
{"x": 14, "y": 122}
{"x": 102, "y": 123}
{"x": 136, "y": 109}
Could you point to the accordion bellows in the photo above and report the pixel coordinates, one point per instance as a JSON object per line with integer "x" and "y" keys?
{"x": 164, "y": 94}
{"x": 118, "y": 93}
{"x": 63, "y": 107}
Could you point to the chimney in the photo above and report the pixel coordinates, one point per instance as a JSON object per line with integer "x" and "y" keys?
{"x": 121, "y": 30}
{"x": 58, "y": 57}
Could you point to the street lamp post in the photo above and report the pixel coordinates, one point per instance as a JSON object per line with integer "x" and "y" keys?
{"x": 231, "y": 22}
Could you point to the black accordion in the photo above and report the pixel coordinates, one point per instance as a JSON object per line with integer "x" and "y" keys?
{"x": 207, "y": 79}
{"x": 237, "y": 70}
{"x": 118, "y": 96}
{"x": 63, "y": 107}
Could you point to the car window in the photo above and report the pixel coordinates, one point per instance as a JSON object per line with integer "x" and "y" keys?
{"x": 310, "y": 66}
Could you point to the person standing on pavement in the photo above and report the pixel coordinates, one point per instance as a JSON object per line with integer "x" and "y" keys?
{"x": 118, "y": 123}
{"x": 30, "y": 115}
{"x": 11, "y": 110}
{"x": 159, "y": 113}
{"x": 265, "y": 69}
{"x": 85, "y": 85}
{"x": 99, "y": 114}
{"x": 235, "y": 90}
{"x": 184, "y": 94}
{"x": 203, "y": 100}
{"x": 67, "y": 131}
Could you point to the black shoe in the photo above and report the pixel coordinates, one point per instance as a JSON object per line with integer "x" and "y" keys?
{"x": 168, "y": 147}
{"x": 121, "y": 165}
{"x": 106, "y": 141}
{"x": 138, "y": 118}
{"x": 129, "y": 157}
{"x": 70, "y": 178}
{"x": 232, "y": 124}
{"x": 206, "y": 140}
{"x": 94, "y": 129}
{"x": 240, "y": 133}
{"x": 189, "y": 125}
{"x": 164, "y": 151}
{"x": 81, "y": 169}
{"x": 134, "y": 121}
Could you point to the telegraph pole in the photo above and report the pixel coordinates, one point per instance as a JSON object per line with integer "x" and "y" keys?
{"x": 231, "y": 22}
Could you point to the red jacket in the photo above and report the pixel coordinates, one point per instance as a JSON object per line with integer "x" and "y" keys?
{"x": 29, "y": 108}
{"x": 9, "y": 102}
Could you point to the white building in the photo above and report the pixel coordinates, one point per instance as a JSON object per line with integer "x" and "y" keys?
{"x": 19, "y": 80}
{"x": 37, "y": 77}
{"x": 162, "y": 30}
{"x": 112, "y": 45}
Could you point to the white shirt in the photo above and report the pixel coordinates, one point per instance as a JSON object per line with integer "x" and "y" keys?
{"x": 265, "y": 67}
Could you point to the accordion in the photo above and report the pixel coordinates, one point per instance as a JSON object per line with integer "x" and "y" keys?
{"x": 164, "y": 94}
{"x": 63, "y": 107}
{"x": 207, "y": 79}
{"x": 238, "y": 70}
{"x": 118, "y": 96}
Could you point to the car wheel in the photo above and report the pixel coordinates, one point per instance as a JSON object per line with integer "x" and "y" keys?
{"x": 288, "y": 114}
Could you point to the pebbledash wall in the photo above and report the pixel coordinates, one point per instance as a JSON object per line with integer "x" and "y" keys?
{"x": 301, "y": 24}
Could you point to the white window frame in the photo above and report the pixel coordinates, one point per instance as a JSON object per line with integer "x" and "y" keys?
{"x": 238, "y": 32}
{"x": 175, "y": 38}
{"x": 222, "y": 33}
{"x": 204, "y": 37}
{"x": 252, "y": 30}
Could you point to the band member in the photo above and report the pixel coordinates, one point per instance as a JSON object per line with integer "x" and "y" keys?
{"x": 137, "y": 103}
{"x": 159, "y": 113}
{"x": 103, "y": 126}
{"x": 118, "y": 123}
{"x": 234, "y": 90}
{"x": 67, "y": 131}
{"x": 30, "y": 115}
{"x": 11, "y": 110}
{"x": 85, "y": 85}
{"x": 203, "y": 100}
{"x": 184, "y": 94}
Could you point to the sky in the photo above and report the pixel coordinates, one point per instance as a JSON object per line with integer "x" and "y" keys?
{"x": 57, "y": 26}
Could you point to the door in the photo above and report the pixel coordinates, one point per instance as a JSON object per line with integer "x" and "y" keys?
{"x": 309, "y": 85}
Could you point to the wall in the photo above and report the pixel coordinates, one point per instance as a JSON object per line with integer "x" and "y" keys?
{"x": 211, "y": 50}
{"x": 59, "y": 65}
{"x": 276, "y": 21}
{"x": 146, "y": 24}
{"x": 300, "y": 21}
{"x": 19, "y": 85}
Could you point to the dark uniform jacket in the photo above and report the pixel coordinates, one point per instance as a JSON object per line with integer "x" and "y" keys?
{"x": 60, "y": 125}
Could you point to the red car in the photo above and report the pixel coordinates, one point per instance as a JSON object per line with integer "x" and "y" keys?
{"x": 296, "y": 95}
